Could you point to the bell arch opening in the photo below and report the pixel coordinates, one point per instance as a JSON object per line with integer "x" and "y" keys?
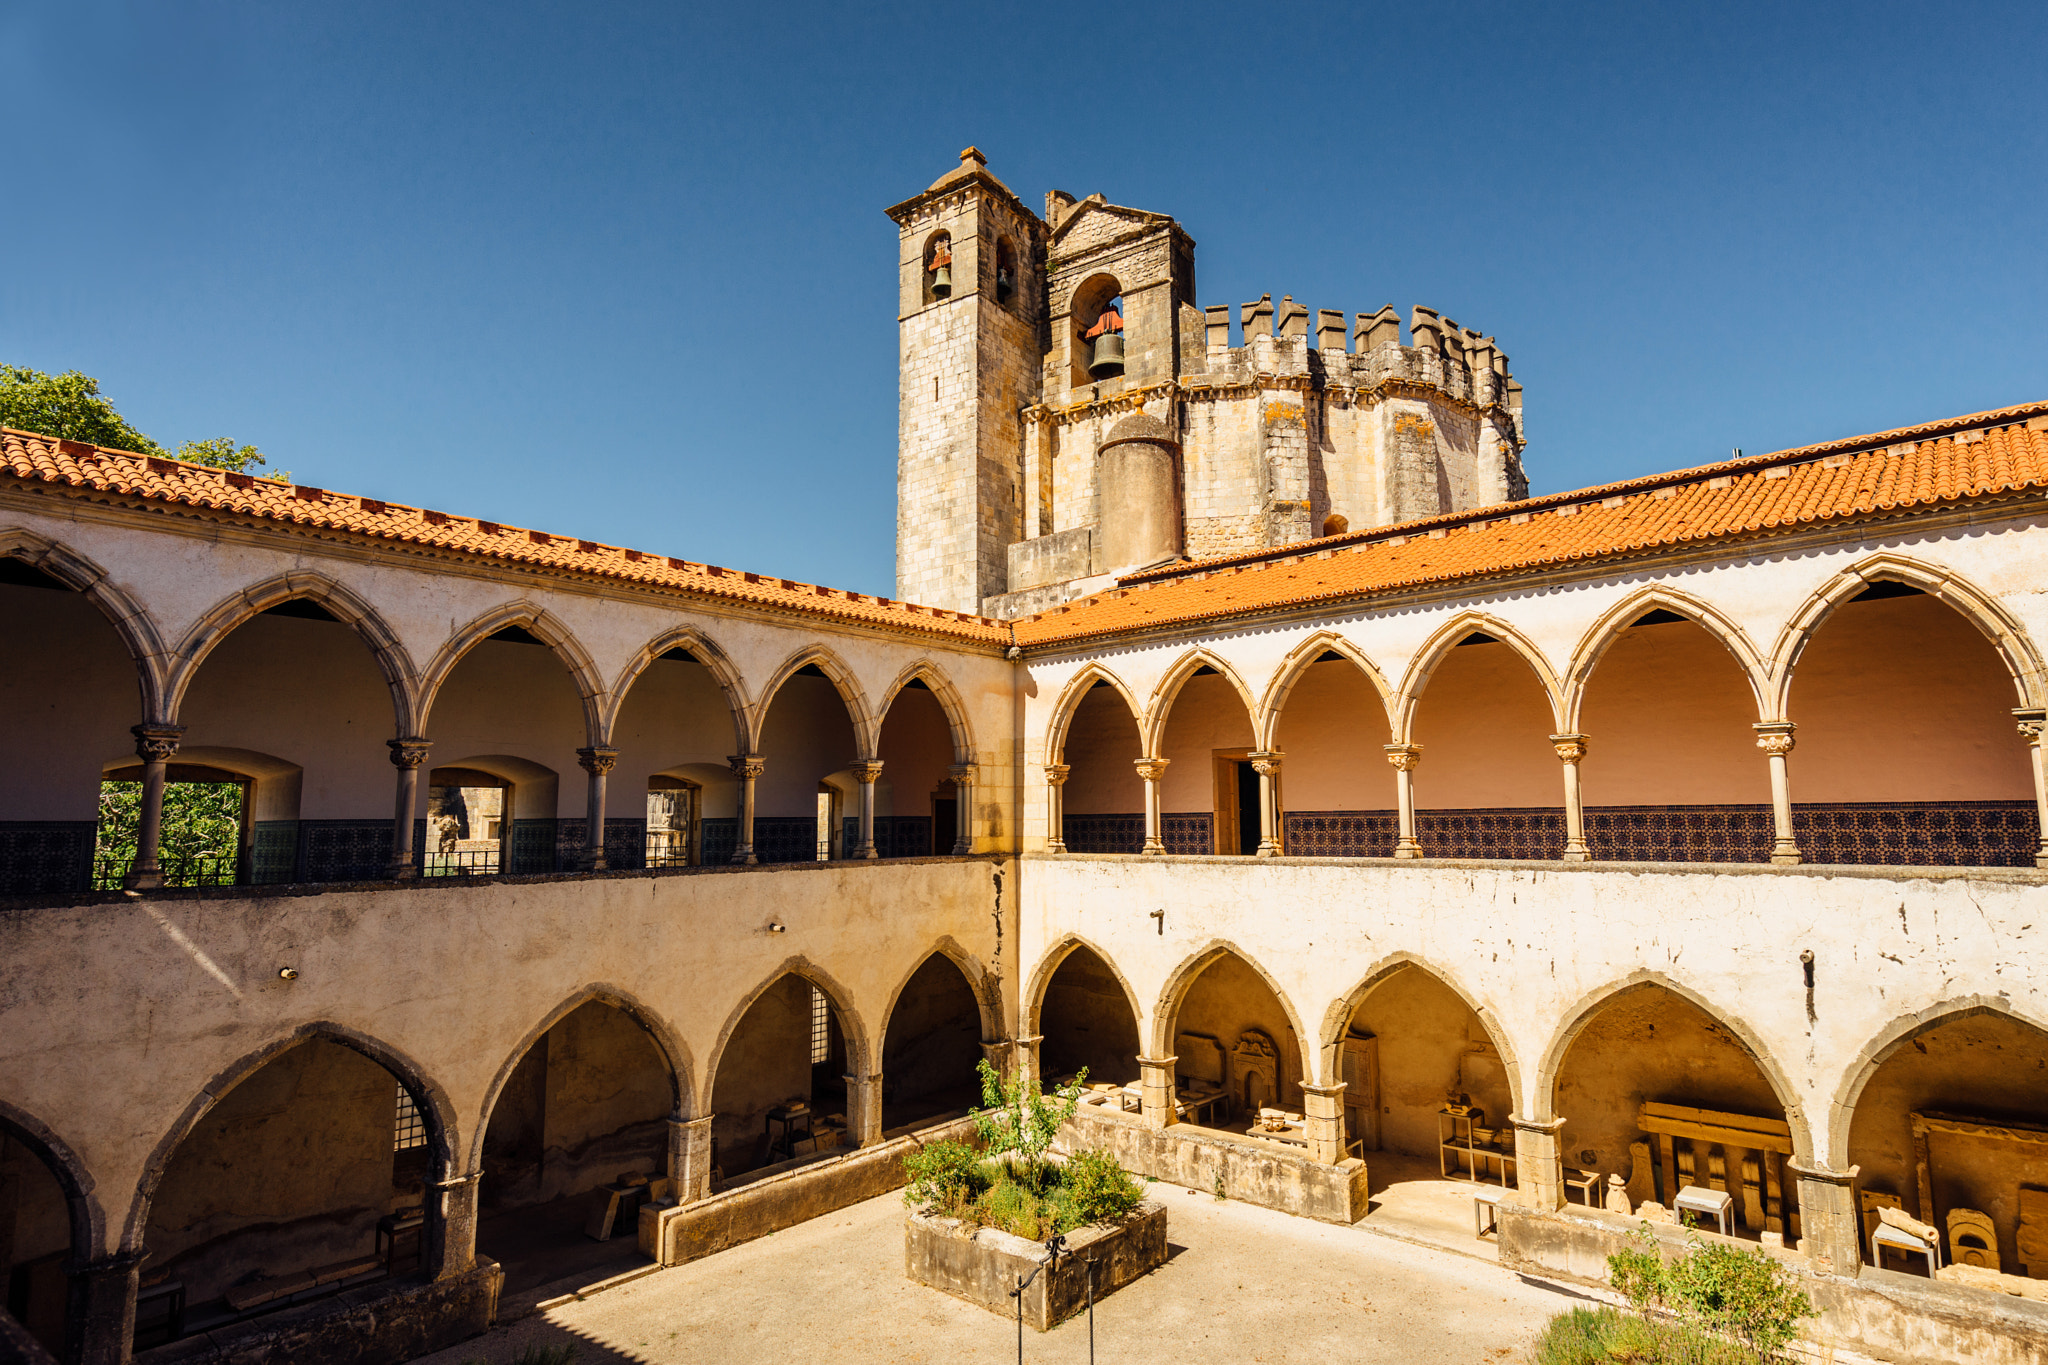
{"x": 1096, "y": 323}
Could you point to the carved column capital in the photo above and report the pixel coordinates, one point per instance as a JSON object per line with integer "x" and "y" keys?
{"x": 1056, "y": 773}
{"x": 1404, "y": 757}
{"x": 1266, "y": 762}
{"x": 1570, "y": 748}
{"x": 597, "y": 760}
{"x": 746, "y": 765}
{"x": 867, "y": 770}
{"x": 156, "y": 743}
{"x": 1775, "y": 737}
{"x": 2031, "y": 720}
{"x": 1151, "y": 769}
{"x": 962, "y": 774}
{"x": 409, "y": 753}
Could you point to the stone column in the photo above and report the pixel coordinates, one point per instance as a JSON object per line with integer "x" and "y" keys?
{"x": 1001, "y": 1055}
{"x": 1323, "y": 1109}
{"x": 1152, "y": 770}
{"x": 1155, "y": 1084}
{"x": 689, "y": 1158}
{"x": 1571, "y": 749}
{"x": 99, "y": 1307}
{"x": 597, "y": 761}
{"x": 864, "y": 1109}
{"x": 1266, "y": 763}
{"x": 1539, "y": 1166}
{"x": 408, "y": 756}
{"x": 1055, "y": 807}
{"x": 451, "y": 1237}
{"x": 2032, "y": 720}
{"x": 1404, "y": 757}
{"x": 749, "y": 768}
{"x": 963, "y": 808}
{"x": 1830, "y": 1232}
{"x": 1024, "y": 1056}
{"x": 154, "y": 745}
{"x": 1774, "y": 737}
{"x": 865, "y": 772}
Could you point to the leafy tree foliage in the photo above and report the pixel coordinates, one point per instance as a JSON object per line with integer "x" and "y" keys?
{"x": 70, "y": 406}
{"x": 202, "y": 825}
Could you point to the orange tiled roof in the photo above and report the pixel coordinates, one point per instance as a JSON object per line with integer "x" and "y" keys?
{"x": 1914, "y": 468}
{"x": 34, "y": 459}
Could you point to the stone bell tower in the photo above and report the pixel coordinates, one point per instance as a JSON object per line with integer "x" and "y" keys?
{"x": 971, "y": 320}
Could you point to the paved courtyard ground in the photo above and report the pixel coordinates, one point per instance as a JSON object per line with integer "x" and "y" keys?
{"x": 1244, "y": 1285}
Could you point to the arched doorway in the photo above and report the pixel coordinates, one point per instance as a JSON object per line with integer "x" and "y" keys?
{"x": 675, "y": 737}
{"x": 1339, "y": 791}
{"x": 1086, "y": 1019}
{"x": 579, "y": 1135}
{"x": 930, "y": 1046}
{"x": 1231, "y": 1033}
{"x": 1488, "y": 785}
{"x": 780, "y": 1093}
{"x": 1103, "y": 801}
{"x": 807, "y": 787}
{"x": 35, "y": 1240}
{"x": 1410, "y": 1046}
{"x": 915, "y": 793}
{"x": 1209, "y": 798}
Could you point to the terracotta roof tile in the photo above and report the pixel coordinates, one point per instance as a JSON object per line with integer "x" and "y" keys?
{"x": 33, "y": 459}
{"x": 1914, "y": 468}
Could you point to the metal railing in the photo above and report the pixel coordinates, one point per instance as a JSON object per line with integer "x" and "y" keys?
{"x": 223, "y": 869}
{"x": 468, "y": 862}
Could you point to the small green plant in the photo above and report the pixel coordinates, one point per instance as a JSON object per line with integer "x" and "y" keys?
{"x": 1018, "y": 1119}
{"x": 1220, "y": 1195}
{"x": 947, "y": 1176}
{"x": 1608, "y": 1336}
{"x": 1096, "y": 1189}
{"x": 1713, "y": 1288}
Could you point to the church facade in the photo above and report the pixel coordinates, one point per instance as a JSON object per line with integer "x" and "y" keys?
{"x": 382, "y": 882}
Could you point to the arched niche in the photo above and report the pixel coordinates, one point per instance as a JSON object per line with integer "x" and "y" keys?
{"x": 1209, "y": 798}
{"x": 1085, "y": 1017}
{"x": 1095, "y": 305}
{"x": 788, "y": 1054}
{"x": 1488, "y": 785}
{"x": 1103, "y": 799}
{"x": 674, "y": 732}
{"x": 931, "y": 1043}
{"x": 809, "y": 735}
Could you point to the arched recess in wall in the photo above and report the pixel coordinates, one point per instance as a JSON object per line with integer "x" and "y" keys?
{"x": 779, "y": 1070}
{"x": 1654, "y": 1084}
{"x": 1403, "y": 1039}
{"x": 1096, "y": 341}
{"x": 1666, "y": 693}
{"x": 1906, "y": 751}
{"x": 1326, "y": 715}
{"x": 1232, "y": 1030}
{"x": 63, "y": 705}
{"x": 923, "y": 733}
{"x": 1095, "y": 735}
{"x": 512, "y": 695}
{"x": 932, "y": 1036}
{"x": 284, "y": 1167}
{"x": 50, "y": 1222}
{"x": 1084, "y": 1014}
{"x": 677, "y": 716}
{"x": 811, "y": 726}
{"x": 1202, "y": 724}
{"x": 1946, "y": 1116}
{"x": 1480, "y": 701}
{"x": 936, "y": 272}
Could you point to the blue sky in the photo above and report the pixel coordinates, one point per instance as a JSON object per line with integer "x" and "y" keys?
{"x": 621, "y": 271}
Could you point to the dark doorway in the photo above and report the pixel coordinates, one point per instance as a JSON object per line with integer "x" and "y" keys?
{"x": 1247, "y": 808}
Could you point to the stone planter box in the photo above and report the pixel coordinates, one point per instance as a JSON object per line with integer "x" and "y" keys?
{"x": 982, "y": 1265}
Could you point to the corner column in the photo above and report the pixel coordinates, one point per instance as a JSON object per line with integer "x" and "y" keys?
{"x": 1055, "y": 807}
{"x": 597, "y": 761}
{"x": 689, "y": 1157}
{"x": 1155, "y": 1086}
{"x": 1266, "y": 763}
{"x": 1830, "y": 1232}
{"x": 100, "y": 1307}
{"x": 1571, "y": 749}
{"x": 864, "y": 1109}
{"x": 1404, "y": 757}
{"x": 748, "y": 768}
{"x": 1774, "y": 737}
{"x": 154, "y": 745}
{"x": 451, "y": 1249}
{"x": 1323, "y": 1109}
{"x": 1152, "y": 770}
{"x": 408, "y": 756}
{"x": 963, "y": 808}
{"x": 865, "y": 772}
{"x": 2032, "y": 720}
{"x": 1539, "y": 1165}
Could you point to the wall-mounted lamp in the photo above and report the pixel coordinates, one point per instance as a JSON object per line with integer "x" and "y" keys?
{"x": 287, "y": 973}
{"x": 776, "y": 926}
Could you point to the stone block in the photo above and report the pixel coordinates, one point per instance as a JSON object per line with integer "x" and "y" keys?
{"x": 983, "y": 1265}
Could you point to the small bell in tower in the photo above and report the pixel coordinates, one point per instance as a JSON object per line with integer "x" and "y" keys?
{"x": 942, "y": 275}
{"x": 1106, "y": 351}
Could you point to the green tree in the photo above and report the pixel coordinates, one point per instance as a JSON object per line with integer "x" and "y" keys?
{"x": 1020, "y": 1119}
{"x": 70, "y": 406}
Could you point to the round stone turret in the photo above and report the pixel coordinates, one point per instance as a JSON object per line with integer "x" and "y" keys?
{"x": 1137, "y": 486}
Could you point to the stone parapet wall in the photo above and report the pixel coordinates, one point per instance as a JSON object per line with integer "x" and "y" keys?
{"x": 1268, "y": 1174}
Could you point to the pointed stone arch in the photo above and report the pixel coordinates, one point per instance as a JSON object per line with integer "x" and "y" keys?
{"x": 1337, "y": 1019}
{"x": 1049, "y": 964}
{"x": 1603, "y": 633}
{"x": 663, "y": 1034}
{"x": 987, "y": 991}
{"x": 2007, "y": 636}
{"x": 1295, "y": 665}
{"x": 1433, "y": 653}
{"x": 1077, "y": 688}
{"x": 705, "y": 651}
{"x": 1152, "y": 729}
{"x": 1175, "y": 992}
{"x": 137, "y": 630}
{"x": 858, "y": 1053}
{"x": 433, "y": 1101}
{"x": 866, "y": 730}
{"x": 1541, "y": 1096}
{"x": 949, "y": 701}
{"x": 229, "y": 615}
{"x": 84, "y": 1215}
{"x": 550, "y": 631}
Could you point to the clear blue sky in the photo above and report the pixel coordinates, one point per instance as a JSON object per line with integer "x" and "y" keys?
{"x": 621, "y": 271}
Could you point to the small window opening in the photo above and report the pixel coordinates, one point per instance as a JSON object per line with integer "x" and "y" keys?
{"x": 409, "y": 1154}
{"x": 1335, "y": 525}
{"x": 821, "y": 1027}
{"x": 1006, "y": 272}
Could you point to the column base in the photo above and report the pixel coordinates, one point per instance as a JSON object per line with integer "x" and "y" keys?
{"x": 744, "y": 857}
{"x": 1153, "y": 846}
{"x": 2041, "y": 858}
{"x": 867, "y": 852}
{"x": 150, "y": 880}
{"x": 1408, "y": 848}
{"x": 1787, "y": 855}
{"x": 1060, "y": 846}
{"x": 1577, "y": 855}
{"x": 1267, "y": 850}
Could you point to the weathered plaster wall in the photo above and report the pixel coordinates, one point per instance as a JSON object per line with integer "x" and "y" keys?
{"x": 68, "y": 704}
{"x": 1430, "y": 1043}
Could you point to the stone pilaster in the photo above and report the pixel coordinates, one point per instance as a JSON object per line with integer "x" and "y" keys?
{"x": 963, "y": 808}
{"x": 1539, "y": 1165}
{"x": 408, "y": 756}
{"x": 1405, "y": 757}
{"x": 1055, "y": 806}
{"x": 689, "y": 1157}
{"x": 155, "y": 745}
{"x": 1152, "y": 770}
{"x": 1001, "y": 1055}
{"x": 2032, "y": 720}
{"x": 1571, "y": 750}
{"x": 1024, "y": 1055}
{"x": 864, "y": 1109}
{"x": 865, "y": 772}
{"x": 1830, "y": 1232}
{"x": 1266, "y": 763}
{"x": 100, "y": 1307}
{"x": 1323, "y": 1109}
{"x": 1774, "y": 737}
{"x": 748, "y": 768}
{"x": 598, "y": 762}
{"x": 451, "y": 1232}
{"x": 1155, "y": 1086}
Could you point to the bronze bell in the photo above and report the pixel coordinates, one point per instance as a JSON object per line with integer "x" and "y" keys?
{"x": 942, "y": 278}
{"x": 1106, "y": 360}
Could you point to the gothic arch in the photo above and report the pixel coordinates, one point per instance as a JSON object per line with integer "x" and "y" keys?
{"x": 1152, "y": 729}
{"x": 1290, "y": 671}
{"x": 86, "y": 1219}
{"x": 1183, "y": 978}
{"x": 130, "y": 621}
{"x": 1070, "y": 702}
{"x": 550, "y": 630}
{"x": 435, "y": 1107}
{"x": 1338, "y": 1017}
{"x": 1543, "y": 1097}
{"x": 1049, "y": 964}
{"x": 1593, "y": 646}
{"x": 2022, "y": 660}
{"x": 866, "y": 730}
{"x": 858, "y": 1056}
{"x": 300, "y": 584}
{"x": 667, "y": 1041}
{"x": 1431, "y": 656}
{"x": 705, "y": 651}
{"x": 1896, "y": 1035}
{"x": 949, "y": 701}
{"x": 987, "y": 992}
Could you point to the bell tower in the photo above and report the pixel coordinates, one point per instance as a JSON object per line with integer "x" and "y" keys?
{"x": 971, "y": 323}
